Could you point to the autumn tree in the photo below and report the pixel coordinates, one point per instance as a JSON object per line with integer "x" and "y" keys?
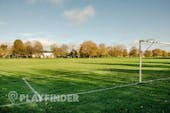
{"x": 18, "y": 48}
{"x": 164, "y": 53}
{"x": 57, "y": 52}
{"x": 103, "y": 52}
{"x": 64, "y": 50}
{"x": 110, "y": 50}
{"x": 148, "y": 53}
{"x": 53, "y": 47}
{"x": 168, "y": 53}
{"x": 4, "y": 50}
{"x": 125, "y": 53}
{"x": 60, "y": 51}
{"x": 133, "y": 52}
{"x": 37, "y": 48}
{"x": 29, "y": 49}
{"x": 157, "y": 52}
{"x": 117, "y": 51}
{"x": 88, "y": 49}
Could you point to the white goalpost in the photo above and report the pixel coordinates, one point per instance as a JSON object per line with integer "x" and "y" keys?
{"x": 151, "y": 42}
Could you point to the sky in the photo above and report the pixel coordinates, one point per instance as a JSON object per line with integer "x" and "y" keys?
{"x": 75, "y": 21}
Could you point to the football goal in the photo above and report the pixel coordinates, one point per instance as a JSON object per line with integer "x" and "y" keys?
{"x": 150, "y": 43}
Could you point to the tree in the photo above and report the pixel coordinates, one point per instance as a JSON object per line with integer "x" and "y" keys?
{"x": 157, "y": 52}
{"x": 168, "y": 53}
{"x": 117, "y": 51}
{"x": 60, "y": 51}
{"x": 164, "y": 53}
{"x": 88, "y": 49}
{"x": 133, "y": 52}
{"x": 110, "y": 50}
{"x": 148, "y": 53}
{"x": 29, "y": 49}
{"x": 64, "y": 50}
{"x": 74, "y": 53}
{"x": 37, "y": 48}
{"x": 4, "y": 51}
{"x": 125, "y": 53}
{"x": 18, "y": 48}
{"x": 53, "y": 47}
{"x": 103, "y": 52}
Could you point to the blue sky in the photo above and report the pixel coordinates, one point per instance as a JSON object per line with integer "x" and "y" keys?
{"x": 74, "y": 21}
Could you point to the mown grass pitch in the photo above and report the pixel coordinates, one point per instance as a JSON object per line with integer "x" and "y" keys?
{"x": 65, "y": 76}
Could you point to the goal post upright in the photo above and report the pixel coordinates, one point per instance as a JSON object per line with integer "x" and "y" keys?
{"x": 140, "y": 60}
{"x": 151, "y": 41}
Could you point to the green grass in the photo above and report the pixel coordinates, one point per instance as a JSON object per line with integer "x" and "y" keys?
{"x": 65, "y": 76}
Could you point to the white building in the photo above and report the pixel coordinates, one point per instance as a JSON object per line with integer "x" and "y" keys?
{"x": 44, "y": 54}
{"x": 47, "y": 54}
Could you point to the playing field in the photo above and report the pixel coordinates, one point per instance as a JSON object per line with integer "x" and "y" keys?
{"x": 97, "y": 79}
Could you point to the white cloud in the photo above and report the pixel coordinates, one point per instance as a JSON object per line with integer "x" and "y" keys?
{"x": 78, "y": 16}
{"x": 45, "y": 39}
{"x": 45, "y": 42}
{"x": 135, "y": 43}
{"x": 24, "y": 34}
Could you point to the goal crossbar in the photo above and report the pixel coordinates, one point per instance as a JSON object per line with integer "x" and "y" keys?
{"x": 151, "y": 41}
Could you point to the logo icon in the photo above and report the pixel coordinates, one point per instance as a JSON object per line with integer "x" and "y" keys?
{"x": 13, "y": 96}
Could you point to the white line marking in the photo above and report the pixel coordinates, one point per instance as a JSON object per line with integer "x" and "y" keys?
{"x": 9, "y": 105}
{"x": 33, "y": 90}
{"x": 87, "y": 92}
{"x": 104, "y": 89}
{"x": 120, "y": 86}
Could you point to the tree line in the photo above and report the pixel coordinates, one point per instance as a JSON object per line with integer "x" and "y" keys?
{"x": 87, "y": 49}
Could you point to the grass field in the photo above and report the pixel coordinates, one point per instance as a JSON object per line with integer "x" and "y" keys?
{"x": 67, "y": 76}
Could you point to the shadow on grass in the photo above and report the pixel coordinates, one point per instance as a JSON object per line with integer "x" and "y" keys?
{"x": 77, "y": 80}
{"x": 134, "y": 64}
{"x": 147, "y": 98}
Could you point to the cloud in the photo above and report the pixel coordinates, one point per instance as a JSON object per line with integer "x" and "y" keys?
{"x": 24, "y": 34}
{"x": 135, "y": 43}
{"x": 44, "y": 38}
{"x": 45, "y": 42}
{"x": 55, "y": 2}
{"x": 79, "y": 16}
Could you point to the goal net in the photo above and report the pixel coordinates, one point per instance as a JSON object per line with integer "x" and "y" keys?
{"x": 154, "y": 57}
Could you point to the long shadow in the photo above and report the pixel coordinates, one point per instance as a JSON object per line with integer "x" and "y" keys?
{"x": 147, "y": 74}
{"x": 157, "y": 58}
{"x": 84, "y": 76}
{"x": 76, "y": 81}
{"x": 62, "y": 81}
{"x": 158, "y": 62}
{"x": 132, "y": 64}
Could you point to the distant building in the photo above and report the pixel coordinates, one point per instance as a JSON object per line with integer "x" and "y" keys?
{"x": 44, "y": 54}
{"x": 48, "y": 54}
